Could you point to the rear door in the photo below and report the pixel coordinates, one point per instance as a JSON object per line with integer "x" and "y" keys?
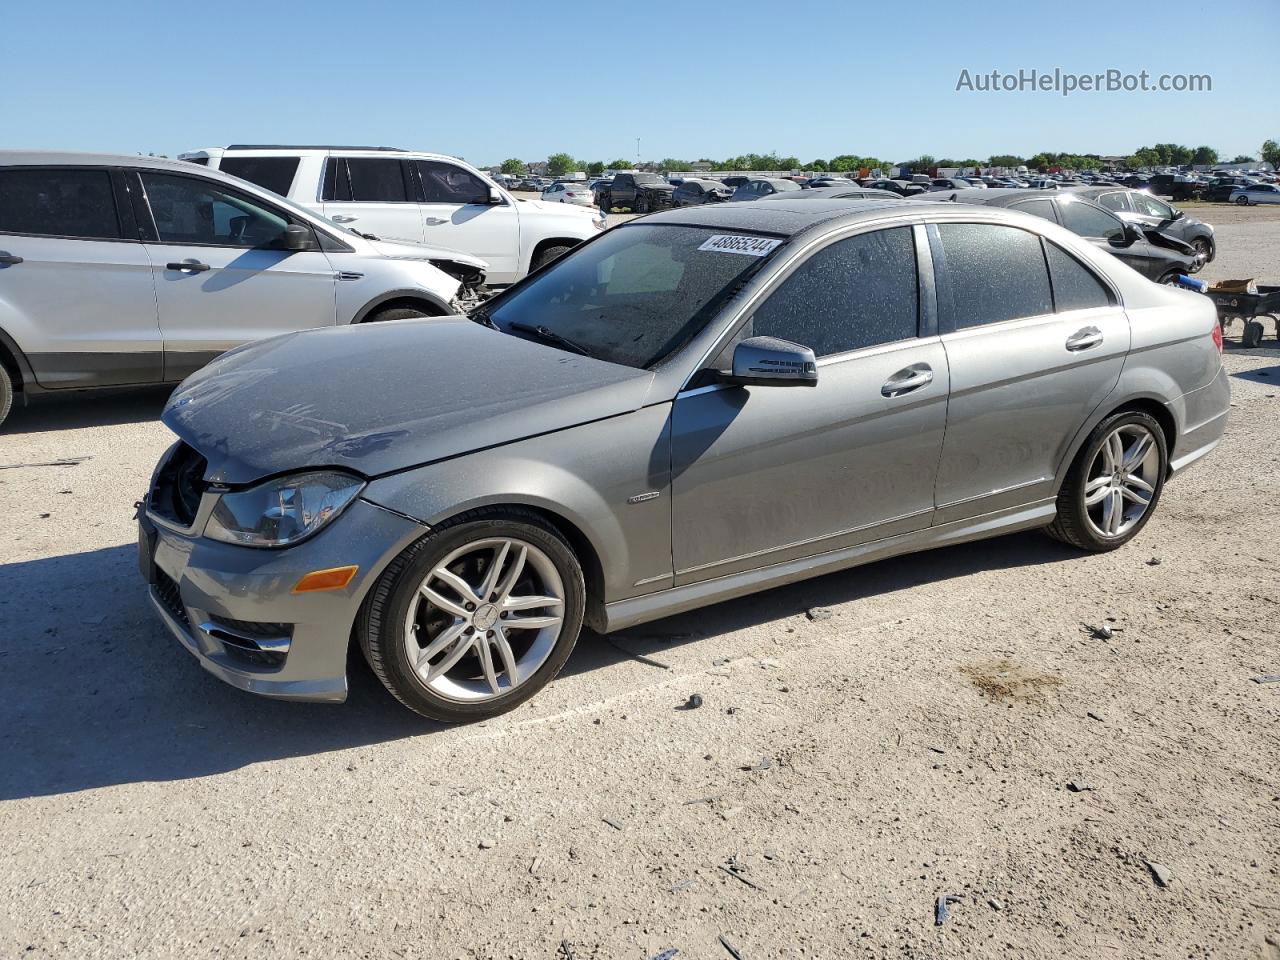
{"x": 1035, "y": 340}
{"x": 457, "y": 213}
{"x": 76, "y": 290}
{"x": 372, "y": 195}
{"x": 222, "y": 275}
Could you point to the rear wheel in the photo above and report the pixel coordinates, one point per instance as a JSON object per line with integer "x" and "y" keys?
{"x": 6, "y": 394}
{"x": 1169, "y": 279}
{"x": 1242, "y": 200}
{"x": 476, "y": 617}
{"x": 1114, "y": 483}
{"x": 1252, "y": 335}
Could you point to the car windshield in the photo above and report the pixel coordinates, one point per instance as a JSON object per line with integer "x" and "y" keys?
{"x": 635, "y": 294}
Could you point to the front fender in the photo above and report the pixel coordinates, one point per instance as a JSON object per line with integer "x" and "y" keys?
{"x": 585, "y": 476}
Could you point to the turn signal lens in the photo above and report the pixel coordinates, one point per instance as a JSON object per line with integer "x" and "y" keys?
{"x": 1217, "y": 335}
{"x": 335, "y": 578}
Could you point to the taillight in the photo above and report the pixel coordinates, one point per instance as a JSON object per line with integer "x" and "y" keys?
{"x": 1217, "y": 335}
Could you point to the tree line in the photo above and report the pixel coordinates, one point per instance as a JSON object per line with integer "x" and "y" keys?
{"x": 1157, "y": 155}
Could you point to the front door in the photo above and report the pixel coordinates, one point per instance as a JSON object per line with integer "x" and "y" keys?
{"x": 77, "y": 297}
{"x": 762, "y": 475}
{"x": 222, "y": 275}
{"x": 1030, "y": 360}
{"x": 457, "y": 213}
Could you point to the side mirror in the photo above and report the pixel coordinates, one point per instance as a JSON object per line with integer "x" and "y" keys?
{"x": 770, "y": 362}
{"x": 495, "y": 197}
{"x": 298, "y": 238}
{"x": 1178, "y": 214}
{"x": 1132, "y": 234}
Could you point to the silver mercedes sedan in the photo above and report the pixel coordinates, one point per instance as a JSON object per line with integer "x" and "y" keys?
{"x": 694, "y": 406}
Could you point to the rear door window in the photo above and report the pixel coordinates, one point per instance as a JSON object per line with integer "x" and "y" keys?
{"x": 58, "y": 202}
{"x": 993, "y": 273}
{"x": 273, "y": 173}
{"x": 857, "y": 292}
{"x": 1119, "y": 200}
{"x": 1038, "y": 208}
{"x": 376, "y": 180}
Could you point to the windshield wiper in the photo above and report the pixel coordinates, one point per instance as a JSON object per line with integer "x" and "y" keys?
{"x": 366, "y": 236}
{"x": 481, "y": 316}
{"x": 547, "y": 335}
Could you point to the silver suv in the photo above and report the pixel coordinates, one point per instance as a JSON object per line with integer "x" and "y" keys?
{"x": 120, "y": 270}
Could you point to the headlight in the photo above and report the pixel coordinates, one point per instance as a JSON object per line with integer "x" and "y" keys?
{"x": 600, "y": 222}
{"x": 282, "y": 511}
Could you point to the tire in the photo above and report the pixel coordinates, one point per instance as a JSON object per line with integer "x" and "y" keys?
{"x": 606, "y": 206}
{"x": 464, "y": 691}
{"x": 1242, "y": 201}
{"x": 1084, "y": 525}
{"x": 6, "y": 394}
{"x": 1169, "y": 279}
{"x": 395, "y": 313}
{"x": 548, "y": 254}
{"x": 1252, "y": 335}
{"x": 640, "y": 205}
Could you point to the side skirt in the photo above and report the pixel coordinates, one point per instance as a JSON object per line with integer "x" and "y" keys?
{"x": 666, "y": 603}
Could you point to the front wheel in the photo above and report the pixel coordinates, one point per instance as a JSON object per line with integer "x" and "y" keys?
{"x": 1242, "y": 201}
{"x": 476, "y": 617}
{"x": 1114, "y": 483}
{"x": 640, "y": 205}
{"x": 1203, "y": 253}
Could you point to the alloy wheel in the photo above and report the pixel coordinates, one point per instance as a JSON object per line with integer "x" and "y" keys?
{"x": 1122, "y": 480}
{"x": 484, "y": 619}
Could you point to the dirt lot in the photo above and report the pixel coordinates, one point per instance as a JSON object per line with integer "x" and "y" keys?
{"x": 868, "y": 742}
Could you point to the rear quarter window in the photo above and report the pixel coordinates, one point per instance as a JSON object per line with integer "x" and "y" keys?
{"x": 1074, "y": 285}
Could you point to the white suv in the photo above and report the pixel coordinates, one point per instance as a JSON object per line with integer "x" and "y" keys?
{"x": 122, "y": 270}
{"x": 422, "y": 197}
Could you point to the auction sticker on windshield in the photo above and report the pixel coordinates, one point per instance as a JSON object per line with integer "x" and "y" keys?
{"x": 751, "y": 246}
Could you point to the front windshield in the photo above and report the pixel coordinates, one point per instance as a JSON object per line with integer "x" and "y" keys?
{"x": 636, "y": 293}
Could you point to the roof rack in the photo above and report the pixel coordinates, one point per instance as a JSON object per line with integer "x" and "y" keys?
{"x": 308, "y": 146}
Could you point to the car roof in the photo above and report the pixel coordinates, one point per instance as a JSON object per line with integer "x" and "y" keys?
{"x": 837, "y": 192}
{"x": 778, "y": 217}
{"x": 48, "y": 158}
{"x": 990, "y": 198}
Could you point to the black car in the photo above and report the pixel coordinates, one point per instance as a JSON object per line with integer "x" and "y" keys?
{"x": 691, "y": 193}
{"x": 735, "y": 182}
{"x": 1127, "y": 241}
{"x": 1177, "y": 188}
{"x": 763, "y": 187}
{"x": 1219, "y": 191}
{"x": 901, "y": 187}
{"x": 817, "y": 183}
{"x": 1137, "y": 205}
{"x": 637, "y": 192}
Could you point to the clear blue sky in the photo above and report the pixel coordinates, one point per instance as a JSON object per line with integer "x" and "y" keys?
{"x": 488, "y": 80}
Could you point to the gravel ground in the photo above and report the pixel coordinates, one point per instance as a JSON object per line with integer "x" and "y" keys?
{"x": 868, "y": 742}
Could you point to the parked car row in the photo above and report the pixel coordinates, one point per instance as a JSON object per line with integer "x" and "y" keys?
{"x": 593, "y": 445}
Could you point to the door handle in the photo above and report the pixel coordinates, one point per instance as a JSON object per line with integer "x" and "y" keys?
{"x": 434, "y": 221}
{"x": 193, "y": 266}
{"x": 908, "y": 379}
{"x": 8, "y": 259}
{"x": 343, "y": 218}
{"x": 1084, "y": 339}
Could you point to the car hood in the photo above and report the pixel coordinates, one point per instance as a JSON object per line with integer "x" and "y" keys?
{"x": 381, "y": 397}
{"x": 407, "y": 250}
